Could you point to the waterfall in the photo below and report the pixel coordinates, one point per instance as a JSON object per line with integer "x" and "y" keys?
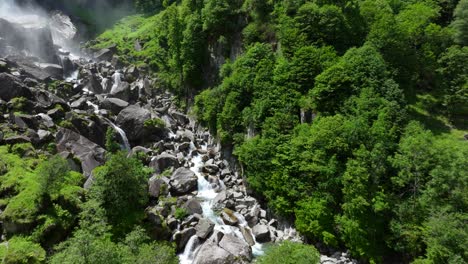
{"x": 190, "y": 250}
{"x": 123, "y": 136}
{"x": 117, "y": 81}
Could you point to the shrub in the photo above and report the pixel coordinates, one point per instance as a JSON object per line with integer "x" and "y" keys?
{"x": 290, "y": 253}
{"x": 20, "y": 250}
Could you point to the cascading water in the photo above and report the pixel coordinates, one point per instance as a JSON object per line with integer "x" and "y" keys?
{"x": 206, "y": 194}
{"x": 117, "y": 81}
{"x": 123, "y": 135}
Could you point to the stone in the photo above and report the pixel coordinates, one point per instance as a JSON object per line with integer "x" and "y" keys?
{"x": 158, "y": 186}
{"x": 183, "y": 181}
{"x": 236, "y": 247}
{"x": 261, "y": 233}
{"x": 210, "y": 253}
{"x": 54, "y": 70}
{"x": 181, "y": 238}
{"x": 132, "y": 121}
{"x": 104, "y": 55}
{"x": 204, "y": 228}
{"x": 11, "y": 87}
{"x": 163, "y": 162}
{"x": 229, "y": 218}
{"x": 114, "y": 105}
{"x": 193, "y": 207}
{"x": 247, "y": 235}
{"x": 90, "y": 154}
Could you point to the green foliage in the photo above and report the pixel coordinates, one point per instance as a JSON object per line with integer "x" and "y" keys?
{"x": 18, "y": 104}
{"x": 155, "y": 123}
{"x": 20, "y": 250}
{"x": 460, "y": 23}
{"x": 290, "y": 252}
{"x": 180, "y": 213}
{"x": 120, "y": 187}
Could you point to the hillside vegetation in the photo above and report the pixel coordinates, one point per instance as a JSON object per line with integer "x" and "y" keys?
{"x": 355, "y": 110}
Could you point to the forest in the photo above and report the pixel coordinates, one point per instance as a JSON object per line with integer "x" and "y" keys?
{"x": 349, "y": 119}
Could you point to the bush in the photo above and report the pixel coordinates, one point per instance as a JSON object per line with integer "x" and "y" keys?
{"x": 290, "y": 253}
{"x": 180, "y": 213}
{"x": 20, "y": 250}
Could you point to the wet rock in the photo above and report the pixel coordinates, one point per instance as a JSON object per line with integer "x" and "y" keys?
{"x": 122, "y": 91}
{"x": 229, "y": 218}
{"x": 183, "y": 181}
{"x": 181, "y": 238}
{"x": 247, "y": 236}
{"x": 193, "y": 207}
{"x": 54, "y": 70}
{"x": 236, "y": 247}
{"x": 163, "y": 162}
{"x": 261, "y": 233}
{"x": 204, "y": 228}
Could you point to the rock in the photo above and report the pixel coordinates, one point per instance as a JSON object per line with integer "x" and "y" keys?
{"x": 261, "y": 233}
{"x": 220, "y": 199}
{"x": 204, "y": 228}
{"x": 229, "y": 218}
{"x": 181, "y": 238}
{"x": 181, "y": 118}
{"x": 183, "y": 181}
{"x": 158, "y": 186}
{"x": 90, "y": 154}
{"x": 16, "y": 140}
{"x": 44, "y": 135}
{"x": 11, "y": 87}
{"x": 122, "y": 91}
{"x": 163, "y": 162}
{"x": 79, "y": 103}
{"x": 210, "y": 168}
{"x": 236, "y": 247}
{"x": 54, "y": 70}
{"x": 247, "y": 235}
{"x": 114, "y": 105}
{"x": 104, "y": 55}
{"x": 193, "y": 207}
{"x": 211, "y": 253}
{"x": 132, "y": 121}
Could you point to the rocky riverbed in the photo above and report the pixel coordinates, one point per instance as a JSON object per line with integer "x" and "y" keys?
{"x": 68, "y": 102}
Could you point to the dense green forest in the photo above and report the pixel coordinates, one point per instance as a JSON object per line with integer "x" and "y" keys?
{"x": 377, "y": 163}
{"x": 349, "y": 119}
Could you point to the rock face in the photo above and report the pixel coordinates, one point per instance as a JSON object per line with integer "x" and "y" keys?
{"x": 164, "y": 161}
{"x": 11, "y": 87}
{"x": 211, "y": 253}
{"x": 132, "y": 121}
{"x": 183, "y": 181}
{"x": 236, "y": 247}
{"x": 89, "y": 153}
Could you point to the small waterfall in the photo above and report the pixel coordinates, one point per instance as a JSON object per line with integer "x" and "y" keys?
{"x": 123, "y": 136}
{"x": 117, "y": 81}
{"x": 189, "y": 251}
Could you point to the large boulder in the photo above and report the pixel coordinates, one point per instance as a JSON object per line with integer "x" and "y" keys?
{"x": 204, "y": 228}
{"x": 114, "y": 105}
{"x": 210, "y": 253}
{"x": 11, "y": 87}
{"x": 163, "y": 162}
{"x": 90, "y": 154}
{"x": 236, "y": 247}
{"x": 261, "y": 233}
{"x": 132, "y": 121}
{"x": 193, "y": 206}
{"x": 181, "y": 238}
{"x": 183, "y": 181}
{"x": 158, "y": 186}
